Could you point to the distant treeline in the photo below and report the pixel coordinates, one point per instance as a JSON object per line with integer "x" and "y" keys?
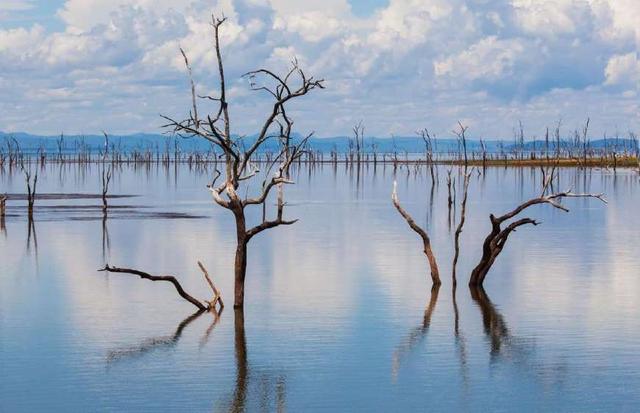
{"x": 158, "y": 143}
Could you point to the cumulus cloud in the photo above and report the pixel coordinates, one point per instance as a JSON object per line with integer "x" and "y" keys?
{"x": 623, "y": 70}
{"x": 411, "y": 63}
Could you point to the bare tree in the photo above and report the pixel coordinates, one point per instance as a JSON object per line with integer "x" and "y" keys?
{"x": 435, "y": 273}
{"x": 427, "y": 138}
{"x": 358, "y": 137}
{"x": 106, "y": 179}
{"x": 216, "y": 128}
{"x": 463, "y": 210}
{"x": 3, "y": 200}
{"x": 497, "y": 238}
{"x": 462, "y": 137}
{"x": 31, "y": 189}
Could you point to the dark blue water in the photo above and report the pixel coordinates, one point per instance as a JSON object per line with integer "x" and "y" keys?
{"x": 339, "y": 314}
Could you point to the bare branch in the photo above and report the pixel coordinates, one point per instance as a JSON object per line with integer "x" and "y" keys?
{"x": 168, "y": 278}
{"x": 435, "y": 273}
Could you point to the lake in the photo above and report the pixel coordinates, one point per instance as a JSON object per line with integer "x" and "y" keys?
{"x": 339, "y": 311}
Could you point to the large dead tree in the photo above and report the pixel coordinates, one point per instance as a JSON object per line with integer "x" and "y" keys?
{"x": 239, "y": 168}
{"x": 426, "y": 241}
{"x": 495, "y": 242}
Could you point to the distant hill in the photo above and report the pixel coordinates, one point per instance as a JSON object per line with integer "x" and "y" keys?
{"x": 158, "y": 142}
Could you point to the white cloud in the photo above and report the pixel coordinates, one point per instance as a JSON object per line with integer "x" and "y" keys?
{"x": 623, "y": 69}
{"x": 490, "y": 59}
{"x": 411, "y": 62}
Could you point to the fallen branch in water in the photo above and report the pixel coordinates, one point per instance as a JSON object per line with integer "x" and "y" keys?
{"x": 202, "y": 306}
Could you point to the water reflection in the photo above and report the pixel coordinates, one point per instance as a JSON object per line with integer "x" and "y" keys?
{"x": 266, "y": 390}
{"x": 502, "y": 343}
{"x": 337, "y": 301}
{"x": 32, "y": 236}
{"x": 153, "y": 343}
{"x": 416, "y": 335}
{"x": 460, "y": 341}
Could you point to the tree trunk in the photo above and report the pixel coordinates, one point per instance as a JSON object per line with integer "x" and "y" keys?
{"x": 240, "y": 266}
{"x": 240, "y": 272}
{"x": 435, "y": 273}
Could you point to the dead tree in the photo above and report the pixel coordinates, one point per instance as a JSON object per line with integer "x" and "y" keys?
{"x": 496, "y": 240}
{"x": 463, "y": 211}
{"x": 216, "y": 128}
{"x": 31, "y": 189}
{"x": 435, "y": 273}
{"x": 462, "y": 137}
{"x": 358, "y": 137}
{"x": 428, "y": 144}
{"x": 215, "y": 305}
{"x": 3, "y": 199}
{"x": 106, "y": 179}
{"x": 3, "y": 206}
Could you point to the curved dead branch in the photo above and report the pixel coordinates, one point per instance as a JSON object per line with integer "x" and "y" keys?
{"x": 200, "y": 305}
{"x": 435, "y": 273}
{"x": 167, "y": 278}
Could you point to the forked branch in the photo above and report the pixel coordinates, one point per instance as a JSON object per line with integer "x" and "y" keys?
{"x": 202, "y": 306}
{"x": 494, "y": 242}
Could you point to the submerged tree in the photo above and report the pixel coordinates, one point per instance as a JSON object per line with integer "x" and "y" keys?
{"x": 216, "y": 128}
{"x": 495, "y": 242}
{"x": 435, "y": 273}
{"x": 31, "y": 189}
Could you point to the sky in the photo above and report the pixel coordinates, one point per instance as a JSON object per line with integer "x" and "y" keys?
{"x": 84, "y": 66}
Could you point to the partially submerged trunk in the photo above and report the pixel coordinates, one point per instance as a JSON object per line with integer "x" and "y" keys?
{"x": 426, "y": 241}
{"x": 240, "y": 272}
{"x": 495, "y": 242}
{"x": 467, "y": 177}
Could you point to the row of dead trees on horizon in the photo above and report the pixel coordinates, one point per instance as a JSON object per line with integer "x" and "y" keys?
{"x": 618, "y": 152}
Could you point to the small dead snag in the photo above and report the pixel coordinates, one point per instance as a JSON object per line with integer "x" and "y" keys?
{"x": 467, "y": 177}
{"x": 200, "y": 305}
{"x": 435, "y": 273}
{"x": 497, "y": 238}
{"x": 106, "y": 179}
{"x": 3, "y": 200}
{"x": 31, "y": 189}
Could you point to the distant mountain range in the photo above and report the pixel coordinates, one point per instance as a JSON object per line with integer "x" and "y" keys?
{"x": 341, "y": 144}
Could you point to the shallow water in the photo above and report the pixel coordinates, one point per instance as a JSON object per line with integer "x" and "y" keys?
{"x": 339, "y": 310}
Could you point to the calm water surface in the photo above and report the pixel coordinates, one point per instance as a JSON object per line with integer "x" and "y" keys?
{"x": 339, "y": 311}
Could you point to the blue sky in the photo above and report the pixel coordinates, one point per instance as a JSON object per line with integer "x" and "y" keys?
{"x": 82, "y": 66}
